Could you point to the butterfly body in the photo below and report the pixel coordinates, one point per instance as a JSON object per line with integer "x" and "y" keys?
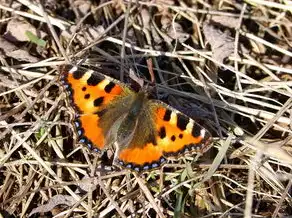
{"x": 144, "y": 131}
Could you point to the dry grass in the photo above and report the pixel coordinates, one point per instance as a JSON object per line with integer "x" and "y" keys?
{"x": 225, "y": 63}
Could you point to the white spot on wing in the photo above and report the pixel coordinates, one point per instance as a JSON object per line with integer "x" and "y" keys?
{"x": 173, "y": 118}
{"x": 203, "y": 132}
{"x": 189, "y": 127}
{"x": 86, "y": 76}
{"x": 73, "y": 69}
{"x": 103, "y": 84}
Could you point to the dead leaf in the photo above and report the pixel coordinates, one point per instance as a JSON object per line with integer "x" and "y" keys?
{"x": 83, "y": 6}
{"x": 222, "y": 44}
{"x": 119, "y": 6}
{"x": 274, "y": 150}
{"x": 87, "y": 184}
{"x": 173, "y": 29}
{"x": 17, "y": 28}
{"x": 230, "y": 22}
{"x": 53, "y": 202}
{"x": 87, "y": 34}
{"x": 10, "y": 50}
{"x": 176, "y": 32}
{"x": 135, "y": 78}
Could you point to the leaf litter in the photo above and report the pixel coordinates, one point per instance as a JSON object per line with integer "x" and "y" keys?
{"x": 41, "y": 166}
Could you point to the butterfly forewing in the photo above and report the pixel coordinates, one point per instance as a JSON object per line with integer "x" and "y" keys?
{"x": 89, "y": 94}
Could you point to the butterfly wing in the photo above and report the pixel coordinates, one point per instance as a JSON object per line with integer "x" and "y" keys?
{"x": 161, "y": 132}
{"x": 90, "y": 93}
{"x": 175, "y": 134}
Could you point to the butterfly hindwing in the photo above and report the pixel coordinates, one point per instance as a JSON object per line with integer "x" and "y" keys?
{"x": 175, "y": 135}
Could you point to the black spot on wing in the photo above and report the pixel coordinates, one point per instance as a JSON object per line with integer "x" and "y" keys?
{"x": 173, "y": 138}
{"x": 83, "y": 88}
{"x": 97, "y": 102}
{"x": 87, "y": 96}
{"x": 78, "y": 74}
{"x": 162, "y": 132}
{"x": 108, "y": 88}
{"x": 167, "y": 115}
{"x": 93, "y": 80}
{"x": 180, "y": 136}
{"x": 196, "y": 131}
{"x": 182, "y": 122}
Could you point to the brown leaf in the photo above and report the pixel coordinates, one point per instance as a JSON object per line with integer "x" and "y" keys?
{"x": 83, "y": 6}
{"x": 222, "y": 44}
{"x": 53, "y": 202}
{"x": 85, "y": 35}
{"x": 230, "y": 22}
{"x": 10, "y": 50}
{"x": 176, "y": 32}
{"x": 17, "y": 28}
{"x": 173, "y": 29}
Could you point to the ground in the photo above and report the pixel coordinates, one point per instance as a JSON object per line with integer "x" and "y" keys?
{"x": 225, "y": 64}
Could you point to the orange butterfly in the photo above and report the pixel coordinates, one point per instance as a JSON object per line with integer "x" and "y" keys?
{"x": 144, "y": 131}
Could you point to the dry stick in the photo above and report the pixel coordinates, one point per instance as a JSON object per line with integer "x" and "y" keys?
{"x": 37, "y": 98}
{"x": 242, "y": 110}
{"x": 148, "y": 195}
{"x": 268, "y": 66}
{"x": 32, "y": 194}
{"x": 25, "y": 84}
{"x": 254, "y": 161}
{"x": 284, "y": 7}
{"x": 100, "y": 182}
{"x": 284, "y": 108}
{"x": 146, "y": 31}
{"x": 267, "y": 71}
{"x": 76, "y": 204}
{"x": 204, "y": 11}
{"x": 250, "y": 186}
{"x": 199, "y": 70}
{"x": 232, "y": 70}
{"x": 194, "y": 18}
{"x": 96, "y": 41}
{"x": 283, "y": 196}
{"x": 264, "y": 42}
{"x": 91, "y": 189}
{"x": 153, "y": 52}
{"x": 14, "y": 79}
{"x": 203, "y": 54}
{"x": 59, "y": 23}
{"x": 186, "y": 56}
{"x": 236, "y": 39}
{"x": 22, "y": 142}
{"x": 54, "y": 33}
{"x": 27, "y": 73}
{"x": 124, "y": 40}
{"x": 20, "y": 91}
{"x": 82, "y": 20}
{"x": 19, "y": 117}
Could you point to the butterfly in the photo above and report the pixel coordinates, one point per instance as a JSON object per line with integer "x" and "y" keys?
{"x": 144, "y": 132}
